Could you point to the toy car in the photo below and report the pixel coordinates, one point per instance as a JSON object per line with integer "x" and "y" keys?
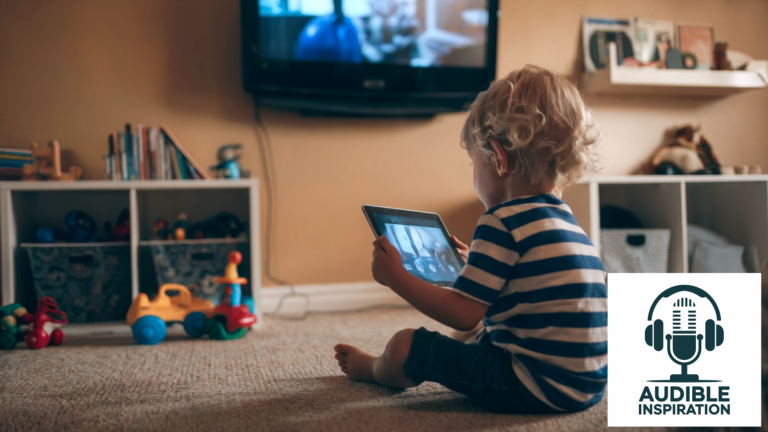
{"x": 173, "y": 303}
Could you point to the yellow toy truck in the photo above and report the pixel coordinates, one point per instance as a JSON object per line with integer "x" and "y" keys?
{"x": 173, "y": 303}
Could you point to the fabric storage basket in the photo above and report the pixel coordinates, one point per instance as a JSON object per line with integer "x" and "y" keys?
{"x": 195, "y": 263}
{"x": 90, "y": 282}
{"x": 635, "y": 250}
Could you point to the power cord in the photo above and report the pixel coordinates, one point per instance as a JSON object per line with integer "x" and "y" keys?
{"x": 267, "y": 164}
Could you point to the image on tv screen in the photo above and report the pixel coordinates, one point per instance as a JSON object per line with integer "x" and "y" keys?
{"x": 416, "y": 33}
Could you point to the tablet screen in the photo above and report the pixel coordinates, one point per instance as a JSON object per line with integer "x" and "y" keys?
{"x": 424, "y": 248}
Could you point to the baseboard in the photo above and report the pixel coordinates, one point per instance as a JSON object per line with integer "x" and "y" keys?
{"x": 336, "y": 297}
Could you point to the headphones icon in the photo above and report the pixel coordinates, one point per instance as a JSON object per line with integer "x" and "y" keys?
{"x": 713, "y": 333}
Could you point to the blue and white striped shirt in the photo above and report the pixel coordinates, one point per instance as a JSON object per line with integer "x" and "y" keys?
{"x": 531, "y": 262}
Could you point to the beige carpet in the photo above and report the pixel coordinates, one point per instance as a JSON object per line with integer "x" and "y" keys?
{"x": 283, "y": 377}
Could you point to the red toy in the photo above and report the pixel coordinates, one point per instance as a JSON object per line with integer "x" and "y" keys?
{"x": 46, "y": 325}
{"x": 231, "y": 319}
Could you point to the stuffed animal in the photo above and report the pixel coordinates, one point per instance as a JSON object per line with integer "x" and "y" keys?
{"x": 690, "y": 153}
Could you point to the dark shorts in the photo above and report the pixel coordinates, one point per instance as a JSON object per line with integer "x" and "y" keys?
{"x": 481, "y": 371}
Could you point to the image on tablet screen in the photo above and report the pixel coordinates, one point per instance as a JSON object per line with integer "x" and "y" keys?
{"x": 424, "y": 250}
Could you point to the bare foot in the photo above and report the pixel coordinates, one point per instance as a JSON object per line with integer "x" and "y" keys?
{"x": 355, "y": 362}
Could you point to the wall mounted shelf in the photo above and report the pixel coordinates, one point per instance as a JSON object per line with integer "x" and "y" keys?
{"x": 625, "y": 80}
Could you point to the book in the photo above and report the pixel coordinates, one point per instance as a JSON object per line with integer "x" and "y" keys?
{"x": 114, "y": 148}
{"x": 128, "y": 152}
{"x": 121, "y": 142}
{"x": 139, "y": 152}
{"x": 174, "y": 162}
{"x": 183, "y": 151}
{"x": 20, "y": 152}
{"x": 13, "y": 163}
{"x": 15, "y": 157}
{"x": 135, "y": 157}
{"x": 182, "y": 162}
{"x": 10, "y": 172}
{"x": 152, "y": 151}
{"x": 145, "y": 151}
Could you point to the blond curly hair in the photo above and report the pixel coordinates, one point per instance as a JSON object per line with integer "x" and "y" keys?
{"x": 541, "y": 121}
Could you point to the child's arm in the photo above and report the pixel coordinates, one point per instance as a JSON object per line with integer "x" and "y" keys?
{"x": 440, "y": 304}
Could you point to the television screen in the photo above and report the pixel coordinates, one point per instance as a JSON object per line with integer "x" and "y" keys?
{"x": 416, "y": 33}
{"x": 368, "y": 57}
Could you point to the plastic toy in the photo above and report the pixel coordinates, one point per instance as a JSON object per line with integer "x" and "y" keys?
{"x": 228, "y": 167}
{"x": 160, "y": 230}
{"x": 180, "y": 227}
{"x": 47, "y": 165}
{"x": 223, "y": 225}
{"x": 122, "y": 231}
{"x": 82, "y": 227}
{"x": 173, "y": 303}
{"x": 50, "y": 235}
{"x": 14, "y": 325}
{"x": 231, "y": 319}
{"x": 46, "y": 325}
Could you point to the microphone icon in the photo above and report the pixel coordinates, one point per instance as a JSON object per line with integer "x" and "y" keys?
{"x": 682, "y": 345}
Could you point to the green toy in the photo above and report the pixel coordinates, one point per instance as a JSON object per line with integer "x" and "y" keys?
{"x": 14, "y": 325}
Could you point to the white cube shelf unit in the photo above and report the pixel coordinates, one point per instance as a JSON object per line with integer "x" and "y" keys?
{"x": 26, "y": 206}
{"x": 735, "y": 206}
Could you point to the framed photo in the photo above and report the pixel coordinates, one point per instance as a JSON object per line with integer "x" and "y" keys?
{"x": 699, "y": 40}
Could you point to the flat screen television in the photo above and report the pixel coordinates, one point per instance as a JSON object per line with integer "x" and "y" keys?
{"x": 368, "y": 57}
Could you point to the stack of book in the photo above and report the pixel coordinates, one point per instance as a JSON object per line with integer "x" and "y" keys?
{"x": 149, "y": 153}
{"x": 12, "y": 161}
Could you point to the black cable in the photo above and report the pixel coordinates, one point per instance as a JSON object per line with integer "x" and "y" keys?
{"x": 267, "y": 164}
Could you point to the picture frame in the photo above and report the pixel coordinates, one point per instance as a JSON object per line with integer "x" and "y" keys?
{"x": 699, "y": 40}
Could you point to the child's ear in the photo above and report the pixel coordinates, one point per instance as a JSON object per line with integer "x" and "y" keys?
{"x": 499, "y": 158}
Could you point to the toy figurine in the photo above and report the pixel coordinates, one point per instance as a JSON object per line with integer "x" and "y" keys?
{"x": 47, "y": 165}
{"x": 231, "y": 319}
{"x": 160, "y": 230}
{"x": 46, "y": 325}
{"x": 82, "y": 227}
{"x": 14, "y": 325}
{"x": 180, "y": 227}
{"x": 228, "y": 167}
{"x": 122, "y": 231}
{"x": 149, "y": 319}
{"x": 690, "y": 153}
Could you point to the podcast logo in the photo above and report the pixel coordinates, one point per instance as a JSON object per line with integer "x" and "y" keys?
{"x": 670, "y": 361}
{"x": 684, "y": 336}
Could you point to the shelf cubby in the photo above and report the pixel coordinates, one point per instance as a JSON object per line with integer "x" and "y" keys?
{"x": 735, "y": 206}
{"x": 26, "y": 206}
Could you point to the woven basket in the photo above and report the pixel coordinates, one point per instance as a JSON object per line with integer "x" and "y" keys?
{"x": 635, "y": 250}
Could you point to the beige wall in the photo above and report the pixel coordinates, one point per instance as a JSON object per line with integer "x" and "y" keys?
{"x": 76, "y": 70}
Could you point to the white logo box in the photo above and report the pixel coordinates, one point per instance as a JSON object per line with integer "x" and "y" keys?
{"x": 735, "y": 363}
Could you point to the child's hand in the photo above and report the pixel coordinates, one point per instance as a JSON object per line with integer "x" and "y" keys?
{"x": 387, "y": 264}
{"x": 461, "y": 248}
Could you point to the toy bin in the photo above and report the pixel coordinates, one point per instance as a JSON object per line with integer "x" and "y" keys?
{"x": 195, "y": 264}
{"x": 91, "y": 283}
{"x": 635, "y": 250}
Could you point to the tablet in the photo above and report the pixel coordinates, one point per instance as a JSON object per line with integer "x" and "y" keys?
{"x": 422, "y": 240}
